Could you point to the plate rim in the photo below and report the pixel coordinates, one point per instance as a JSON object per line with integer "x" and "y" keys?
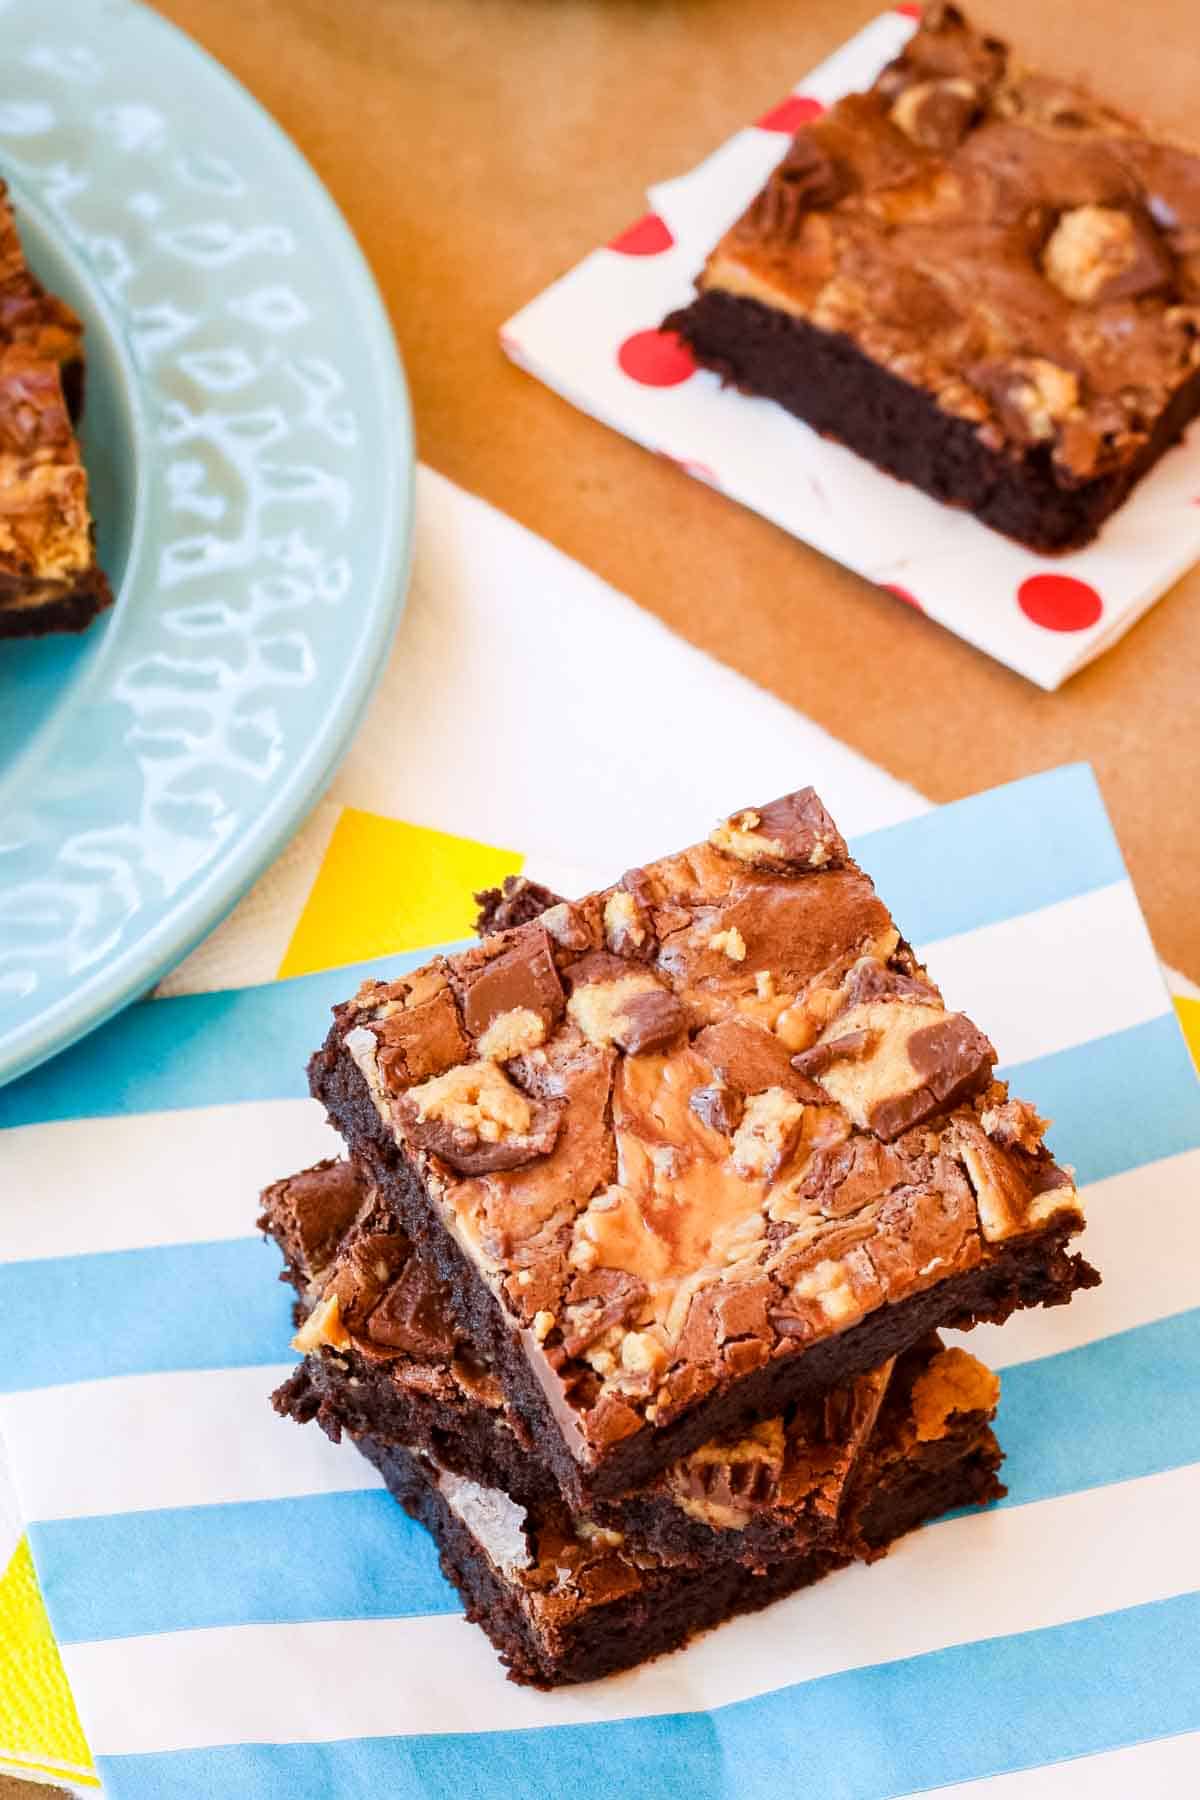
{"x": 139, "y": 965}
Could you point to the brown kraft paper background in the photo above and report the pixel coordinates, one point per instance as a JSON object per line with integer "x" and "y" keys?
{"x": 480, "y": 147}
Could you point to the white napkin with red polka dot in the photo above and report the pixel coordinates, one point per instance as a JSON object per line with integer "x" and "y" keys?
{"x": 594, "y": 337}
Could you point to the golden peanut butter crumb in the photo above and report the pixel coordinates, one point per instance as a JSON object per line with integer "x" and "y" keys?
{"x": 622, "y": 921}
{"x": 476, "y": 1097}
{"x": 829, "y": 1284}
{"x": 740, "y": 837}
{"x": 543, "y": 1325}
{"x": 598, "y": 1008}
{"x": 1088, "y": 247}
{"x": 590, "y": 1533}
{"x": 730, "y": 942}
{"x": 766, "y": 1133}
{"x": 511, "y": 1034}
{"x": 323, "y": 1327}
{"x": 642, "y": 1354}
{"x": 954, "y": 1382}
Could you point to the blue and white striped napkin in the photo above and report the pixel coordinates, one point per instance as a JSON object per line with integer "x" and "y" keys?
{"x": 243, "y": 1612}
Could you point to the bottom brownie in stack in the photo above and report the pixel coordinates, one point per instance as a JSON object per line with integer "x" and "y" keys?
{"x": 726, "y": 1530}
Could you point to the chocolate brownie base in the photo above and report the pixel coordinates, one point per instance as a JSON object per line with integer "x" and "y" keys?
{"x": 386, "y": 1357}
{"x": 475, "y": 1442}
{"x": 71, "y": 612}
{"x": 641, "y": 1612}
{"x": 1041, "y": 1272}
{"x": 826, "y": 380}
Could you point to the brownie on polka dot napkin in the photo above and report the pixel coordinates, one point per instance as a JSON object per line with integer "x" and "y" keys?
{"x": 979, "y": 278}
{"x": 924, "y": 262}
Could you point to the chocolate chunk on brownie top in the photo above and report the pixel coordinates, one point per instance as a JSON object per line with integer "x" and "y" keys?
{"x": 697, "y": 1145}
{"x": 979, "y": 277}
{"x": 387, "y": 1356}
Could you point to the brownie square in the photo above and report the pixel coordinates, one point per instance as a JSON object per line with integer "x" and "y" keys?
{"x": 567, "y": 1596}
{"x": 697, "y": 1146}
{"x": 979, "y": 278}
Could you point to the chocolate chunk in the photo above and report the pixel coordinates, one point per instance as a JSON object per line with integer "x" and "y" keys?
{"x": 628, "y": 926}
{"x": 946, "y": 45}
{"x": 1033, "y": 399}
{"x": 810, "y": 176}
{"x": 412, "y": 1315}
{"x": 803, "y": 829}
{"x": 420, "y": 1041}
{"x": 751, "y": 1059}
{"x": 937, "y": 114}
{"x": 729, "y": 1310}
{"x": 596, "y": 966}
{"x": 597, "y": 1301}
{"x": 844, "y": 1178}
{"x": 569, "y": 925}
{"x": 515, "y": 903}
{"x": 871, "y": 980}
{"x": 608, "y": 1421}
{"x": 310, "y": 1213}
{"x": 365, "y": 1269}
{"x": 653, "y": 1022}
{"x": 954, "y": 1057}
{"x": 955, "y": 1061}
{"x": 466, "y": 1150}
{"x": 522, "y": 976}
{"x": 852, "y": 1047}
{"x": 718, "y": 1105}
{"x": 787, "y": 836}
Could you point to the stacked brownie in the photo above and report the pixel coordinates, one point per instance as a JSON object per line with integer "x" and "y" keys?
{"x": 655, "y": 1204}
{"x": 976, "y": 276}
{"x": 49, "y": 577}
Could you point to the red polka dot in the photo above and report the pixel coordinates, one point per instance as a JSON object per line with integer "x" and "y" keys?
{"x": 791, "y": 114}
{"x": 1059, "y": 602}
{"x": 903, "y": 594}
{"x": 910, "y": 10}
{"x": 650, "y": 236}
{"x": 656, "y": 358}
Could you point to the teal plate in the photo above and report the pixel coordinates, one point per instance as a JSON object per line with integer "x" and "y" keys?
{"x": 249, "y": 446}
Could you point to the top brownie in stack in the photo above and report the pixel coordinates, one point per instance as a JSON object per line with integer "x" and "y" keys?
{"x": 697, "y": 1145}
{"x": 977, "y": 277}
